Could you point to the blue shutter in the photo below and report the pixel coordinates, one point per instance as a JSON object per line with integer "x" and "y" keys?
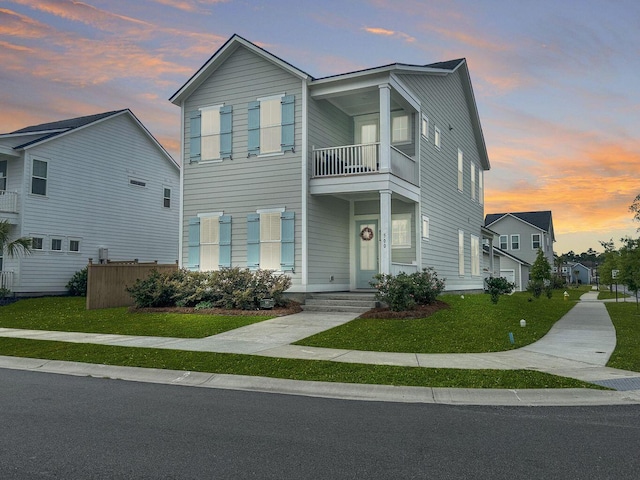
{"x": 253, "y": 147}
{"x": 193, "y": 262}
{"x": 253, "y": 241}
{"x": 287, "y": 241}
{"x": 225, "y": 241}
{"x": 226, "y": 116}
{"x": 194, "y": 136}
{"x": 288, "y": 122}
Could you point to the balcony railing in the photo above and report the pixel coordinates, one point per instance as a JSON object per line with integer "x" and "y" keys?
{"x": 6, "y": 280}
{"x": 359, "y": 159}
{"x": 346, "y": 160}
{"x": 8, "y": 201}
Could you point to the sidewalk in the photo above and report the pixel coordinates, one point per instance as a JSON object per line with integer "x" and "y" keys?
{"x": 578, "y": 346}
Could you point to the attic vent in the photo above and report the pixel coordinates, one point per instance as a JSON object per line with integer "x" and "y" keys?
{"x": 137, "y": 183}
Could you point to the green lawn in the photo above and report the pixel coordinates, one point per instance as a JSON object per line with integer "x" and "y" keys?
{"x": 607, "y": 295}
{"x": 68, "y": 314}
{"x": 626, "y": 319}
{"x": 312, "y": 370}
{"x": 472, "y": 324}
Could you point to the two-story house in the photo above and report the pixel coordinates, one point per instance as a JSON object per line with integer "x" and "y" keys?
{"x": 331, "y": 180}
{"x": 519, "y": 237}
{"x": 98, "y": 186}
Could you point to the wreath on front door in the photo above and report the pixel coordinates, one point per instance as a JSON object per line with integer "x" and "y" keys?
{"x": 366, "y": 234}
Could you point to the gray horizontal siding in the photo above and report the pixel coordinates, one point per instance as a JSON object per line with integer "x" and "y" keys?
{"x": 89, "y": 198}
{"x": 443, "y": 101}
{"x": 244, "y": 184}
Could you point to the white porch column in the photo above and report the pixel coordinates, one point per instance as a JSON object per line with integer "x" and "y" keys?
{"x": 385, "y": 231}
{"x": 385, "y": 128}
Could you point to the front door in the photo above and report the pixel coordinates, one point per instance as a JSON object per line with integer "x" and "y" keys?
{"x": 366, "y": 252}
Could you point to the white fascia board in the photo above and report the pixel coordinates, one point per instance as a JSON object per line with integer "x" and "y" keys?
{"x": 402, "y": 89}
{"x": 8, "y": 152}
{"x": 337, "y": 88}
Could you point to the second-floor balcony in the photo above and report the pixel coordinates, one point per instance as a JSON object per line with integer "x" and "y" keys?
{"x": 8, "y": 202}
{"x": 361, "y": 159}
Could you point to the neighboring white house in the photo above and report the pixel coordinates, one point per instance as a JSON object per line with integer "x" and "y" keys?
{"x": 331, "y": 180}
{"x": 98, "y": 187}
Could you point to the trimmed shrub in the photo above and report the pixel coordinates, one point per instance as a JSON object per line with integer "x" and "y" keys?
{"x": 403, "y": 292}
{"x": 499, "y": 286}
{"x": 77, "y": 286}
{"x": 230, "y": 288}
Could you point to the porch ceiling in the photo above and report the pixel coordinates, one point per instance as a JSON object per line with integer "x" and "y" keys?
{"x": 363, "y": 102}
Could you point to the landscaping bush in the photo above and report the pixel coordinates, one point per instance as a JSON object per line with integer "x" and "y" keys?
{"x": 498, "y": 286}
{"x": 230, "y": 288}
{"x": 535, "y": 287}
{"x": 403, "y": 292}
{"x": 77, "y": 286}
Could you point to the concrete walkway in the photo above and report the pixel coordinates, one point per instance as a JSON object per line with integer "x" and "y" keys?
{"x": 578, "y": 346}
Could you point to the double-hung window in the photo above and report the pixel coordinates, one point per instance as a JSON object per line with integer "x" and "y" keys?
{"x": 424, "y": 128}
{"x": 475, "y": 255}
{"x": 209, "y": 242}
{"x": 401, "y": 231}
{"x": 480, "y": 186}
{"x": 270, "y": 240}
{"x": 210, "y": 133}
{"x": 515, "y": 242}
{"x": 535, "y": 241}
{"x": 461, "y": 253}
{"x": 56, "y": 244}
{"x": 3, "y": 175}
{"x": 166, "y": 197}
{"x": 436, "y": 136}
{"x": 425, "y": 227}
{"x": 460, "y": 171}
{"x": 39, "y": 177}
{"x": 473, "y": 181}
{"x": 37, "y": 243}
{"x": 271, "y": 125}
{"x": 504, "y": 242}
{"x": 400, "y": 128}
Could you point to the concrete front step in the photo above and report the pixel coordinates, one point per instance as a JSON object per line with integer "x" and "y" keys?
{"x": 334, "y": 308}
{"x": 340, "y": 302}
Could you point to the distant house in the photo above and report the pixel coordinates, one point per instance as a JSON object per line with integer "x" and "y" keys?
{"x": 98, "y": 186}
{"x": 331, "y": 180}
{"x": 573, "y": 272}
{"x": 518, "y": 237}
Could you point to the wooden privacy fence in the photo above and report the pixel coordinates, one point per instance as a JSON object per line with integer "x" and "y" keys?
{"x": 106, "y": 282}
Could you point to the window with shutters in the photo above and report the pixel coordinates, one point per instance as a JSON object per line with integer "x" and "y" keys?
{"x": 271, "y": 125}
{"x": 209, "y": 242}
{"x": 270, "y": 240}
{"x": 210, "y": 134}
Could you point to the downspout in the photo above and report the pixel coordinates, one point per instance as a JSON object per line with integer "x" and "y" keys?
{"x": 305, "y": 188}
{"x": 181, "y": 209}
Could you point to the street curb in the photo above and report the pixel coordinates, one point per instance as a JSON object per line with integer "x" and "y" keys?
{"x": 344, "y": 391}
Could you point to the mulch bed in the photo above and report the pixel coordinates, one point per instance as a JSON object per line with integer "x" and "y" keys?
{"x": 420, "y": 311}
{"x": 278, "y": 312}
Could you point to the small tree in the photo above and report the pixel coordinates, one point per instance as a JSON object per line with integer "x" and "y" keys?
{"x": 540, "y": 276}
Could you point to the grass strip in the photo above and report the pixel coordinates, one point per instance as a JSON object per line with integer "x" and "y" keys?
{"x": 311, "y": 370}
{"x": 626, "y": 320}
{"x": 472, "y": 325}
{"x": 68, "y": 314}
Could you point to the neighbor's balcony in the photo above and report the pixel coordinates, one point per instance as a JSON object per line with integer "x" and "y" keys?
{"x": 361, "y": 159}
{"x": 8, "y": 201}
{"x": 6, "y": 280}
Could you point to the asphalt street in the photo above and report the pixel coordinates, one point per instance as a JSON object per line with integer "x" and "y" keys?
{"x": 68, "y": 427}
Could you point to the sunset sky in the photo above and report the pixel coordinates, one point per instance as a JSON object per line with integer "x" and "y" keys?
{"x": 557, "y": 83}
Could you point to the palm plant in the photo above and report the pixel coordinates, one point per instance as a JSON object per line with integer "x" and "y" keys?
{"x": 13, "y": 247}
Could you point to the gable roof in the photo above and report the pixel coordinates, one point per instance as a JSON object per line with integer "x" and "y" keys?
{"x": 48, "y": 131}
{"x": 541, "y": 219}
{"x": 220, "y": 56}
